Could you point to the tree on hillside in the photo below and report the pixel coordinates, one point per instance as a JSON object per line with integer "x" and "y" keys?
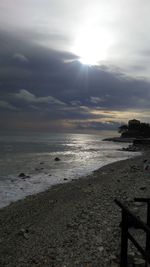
{"x": 145, "y": 129}
{"x": 123, "y": 128}
{"x": 135, "y": 129}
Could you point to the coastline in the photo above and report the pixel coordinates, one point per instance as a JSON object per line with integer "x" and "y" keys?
{"x": 72, "y": 224}
{"x": 39, "y": 175}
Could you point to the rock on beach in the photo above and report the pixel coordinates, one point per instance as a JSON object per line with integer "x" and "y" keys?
{"x": 57, "y": 159}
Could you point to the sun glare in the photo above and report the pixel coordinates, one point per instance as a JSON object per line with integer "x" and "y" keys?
{"x": 92, "y": 45}
{"x": 86, "y": 60}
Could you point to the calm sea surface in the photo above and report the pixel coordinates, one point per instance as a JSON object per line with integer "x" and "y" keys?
{"x": 34, "y": 154}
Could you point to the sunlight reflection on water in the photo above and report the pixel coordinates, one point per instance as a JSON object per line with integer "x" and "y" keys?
{"x": 34, "y": 155}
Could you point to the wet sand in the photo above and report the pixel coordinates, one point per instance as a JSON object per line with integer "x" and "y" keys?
{"x": 72, "y": 224}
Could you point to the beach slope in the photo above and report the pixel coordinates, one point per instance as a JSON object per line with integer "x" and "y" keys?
{"x": 73, "y": 224}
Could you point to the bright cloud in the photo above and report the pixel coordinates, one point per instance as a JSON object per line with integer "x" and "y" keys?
{"x": 26, "y": 96}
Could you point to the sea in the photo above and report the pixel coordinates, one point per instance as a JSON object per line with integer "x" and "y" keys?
{"x": 34, "y": 155}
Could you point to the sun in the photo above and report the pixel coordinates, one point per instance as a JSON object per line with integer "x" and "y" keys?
{"x": 92, "y": 45}
{"x": 88, "y": 61}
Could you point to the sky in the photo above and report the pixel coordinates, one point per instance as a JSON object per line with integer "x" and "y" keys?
{"x": 74, "y": 66}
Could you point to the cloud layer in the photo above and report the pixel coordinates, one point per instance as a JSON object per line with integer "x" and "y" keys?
{"x": 43, "y": 85}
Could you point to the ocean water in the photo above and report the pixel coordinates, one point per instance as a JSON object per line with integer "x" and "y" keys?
{"x": 34, "y": 154}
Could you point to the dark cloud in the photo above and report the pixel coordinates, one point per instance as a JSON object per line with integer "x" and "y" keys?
{"x": 6, "y": 105}
{"x": 20, "y": 57}
{"x": 25, "y": 96}
{"x": 98, "y": 126}
{"x": 54, "y": 85}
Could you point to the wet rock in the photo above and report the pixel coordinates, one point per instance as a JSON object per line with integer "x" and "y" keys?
{"x": 24, "y": 232}
{"x": 129, "y": 200}
{"x": 39, "y": 169}
{"x": 142, "y": 187}
{"x": 113, "y": 258}
{"x": 100, "y": 249}
{"x": 99, "y": 239}
{"x": 34, "y": 261}
{"x": 69, "y": 225}
{"x": 26, "y": 235}
{"x": 57, "y": 159}
{"x": 114, "y": 261}
{"x": 22, "y": 175}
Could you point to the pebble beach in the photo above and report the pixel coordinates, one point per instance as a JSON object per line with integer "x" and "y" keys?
{"x": 75, "y": 224}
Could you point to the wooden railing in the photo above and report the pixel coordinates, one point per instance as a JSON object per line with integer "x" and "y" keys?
{"x": 130, "y": 220}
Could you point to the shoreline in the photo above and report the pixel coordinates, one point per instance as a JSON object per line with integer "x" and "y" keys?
{"x": 68, "y": 179}
{"x": 72, "y": 224}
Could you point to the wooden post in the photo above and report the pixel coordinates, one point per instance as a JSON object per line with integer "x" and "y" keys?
{"x": 147, "y": 234}
{"x": 148, "y": 223}
{"x": 124, "y": 240}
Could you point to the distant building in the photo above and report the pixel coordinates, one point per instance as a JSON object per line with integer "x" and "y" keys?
{"x": 133, "y": 122}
